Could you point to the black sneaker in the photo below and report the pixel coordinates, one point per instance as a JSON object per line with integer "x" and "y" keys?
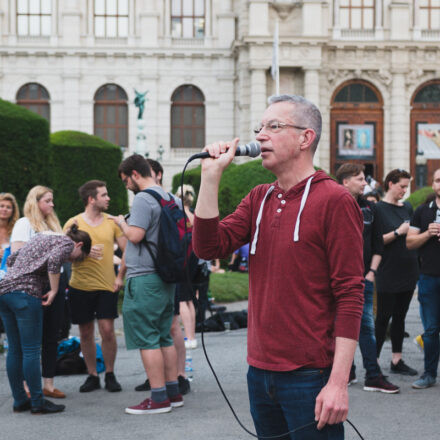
{"x": 47, "y": 408}
{"x": 26, "y": 406}
{"x": 111, "y": 384}
{"x": 144, "y": 386}
{"x": 184, "y": 386}
{"x": 402, "y": 368}
{"x": 352, "y": 378}
{"x": 381, "y": 384}
{"x": 91, "y": 384}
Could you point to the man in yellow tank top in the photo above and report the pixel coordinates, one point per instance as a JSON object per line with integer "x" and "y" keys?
{"x": 94, "y": 287}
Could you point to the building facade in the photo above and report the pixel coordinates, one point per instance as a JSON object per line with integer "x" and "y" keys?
{"x": 372, "y": 67}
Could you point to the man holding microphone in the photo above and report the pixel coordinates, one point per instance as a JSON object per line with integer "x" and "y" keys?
{"x": 305, "y": 274}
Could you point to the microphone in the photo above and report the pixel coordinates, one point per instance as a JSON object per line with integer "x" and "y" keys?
{"x": 252, "y": 149}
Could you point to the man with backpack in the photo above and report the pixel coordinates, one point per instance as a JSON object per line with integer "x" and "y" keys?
{"x": 149, "y": 301}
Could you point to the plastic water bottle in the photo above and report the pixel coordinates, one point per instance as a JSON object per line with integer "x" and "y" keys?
{"x": 188, "y": 361}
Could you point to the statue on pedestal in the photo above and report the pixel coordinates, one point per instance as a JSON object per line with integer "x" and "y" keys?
{"x": 141, "y": 137}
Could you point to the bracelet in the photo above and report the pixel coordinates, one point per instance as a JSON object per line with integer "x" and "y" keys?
{"x": 120, "y": 223}
{"x": 373, "y": 270}
{"x": 396, "y": 233}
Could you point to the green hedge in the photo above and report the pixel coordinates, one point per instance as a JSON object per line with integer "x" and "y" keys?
{"x": 229, "y": 286}
{"x": 24, "y": 150}
{"x": 237, "y": 181}
{"x": 418, "y": 197}
{"x": 78, "y": 157}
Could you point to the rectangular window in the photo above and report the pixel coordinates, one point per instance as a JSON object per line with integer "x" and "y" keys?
{"x": 34, "y": 18}
{"x": 357, "y": 14}
{"x": 429, "y": 14}
{"x": 188, "y": 18}
{"x": 111, "y": 18}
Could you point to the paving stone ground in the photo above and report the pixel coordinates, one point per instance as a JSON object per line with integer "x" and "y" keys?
{"x": 99, "y": 415}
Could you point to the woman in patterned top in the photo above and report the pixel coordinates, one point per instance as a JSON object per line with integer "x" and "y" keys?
{"x": 39, "y": 216}
{"x": 30, "y": 269}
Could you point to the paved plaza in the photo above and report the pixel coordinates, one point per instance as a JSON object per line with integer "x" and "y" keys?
{"x": 205, "y": 416}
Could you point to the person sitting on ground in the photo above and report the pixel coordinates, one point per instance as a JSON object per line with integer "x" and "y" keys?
{"x": 22, "y": 289}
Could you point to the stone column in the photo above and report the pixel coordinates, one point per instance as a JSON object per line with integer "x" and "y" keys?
{"x": 311, "y": 92}
{"x": 258, "y": 101}
{"x": 378, "y": 20}
{"x": 208, "y": 22}
{"x": 397, "y": 155}
{"x": 336, "y": 21}
{"x": 417, "y": 33}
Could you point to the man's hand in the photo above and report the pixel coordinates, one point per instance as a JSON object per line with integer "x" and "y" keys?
{"x": 222, "y": 154}
{"x": 434, "y": 229}
{"x": 118, "y": 219}
{"x": 370, "y": 276}
{"x": 331, "y": 405}
{"x": 48, "y": 298}
{"x": 118, "y": 284}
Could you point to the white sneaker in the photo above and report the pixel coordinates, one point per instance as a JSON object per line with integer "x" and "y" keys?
{"x": 193, "y": 343}
{"x": 187, "y": 344}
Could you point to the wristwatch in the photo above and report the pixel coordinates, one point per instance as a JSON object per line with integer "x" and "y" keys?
{"x": 396, "y": 233}
{"x": 373, "y": 270}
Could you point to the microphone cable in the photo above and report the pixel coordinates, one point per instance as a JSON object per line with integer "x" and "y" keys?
{"x": 202, "y": 334}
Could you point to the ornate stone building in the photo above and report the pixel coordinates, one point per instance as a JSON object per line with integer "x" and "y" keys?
{"x": 372, "y": 66}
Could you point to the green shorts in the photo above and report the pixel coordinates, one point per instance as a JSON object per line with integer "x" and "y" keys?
{"x": 148, "y": 311}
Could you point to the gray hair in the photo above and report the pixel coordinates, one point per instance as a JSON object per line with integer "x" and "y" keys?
{"x": 306, "y": 114}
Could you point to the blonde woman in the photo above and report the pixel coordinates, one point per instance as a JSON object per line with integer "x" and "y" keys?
{"x": 39, "y": 216}
{"x": 9, "y": 214}
{"x": 184, "y": 291}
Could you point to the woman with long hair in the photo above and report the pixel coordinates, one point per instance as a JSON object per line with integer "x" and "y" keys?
{"x": 9, "y": 214}
{"x": 398, "y": 271}
{"x": 39, "y": 216}
{"x": 23, "y": 292}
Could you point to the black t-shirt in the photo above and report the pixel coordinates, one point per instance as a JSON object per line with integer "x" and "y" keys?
{"x": 373, "y": 240}
{"x": 398, "y": 270}
{"x": 429, "y": 253}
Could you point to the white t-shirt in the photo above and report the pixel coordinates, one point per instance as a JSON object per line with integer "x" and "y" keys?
{"x": 22, "y": 230}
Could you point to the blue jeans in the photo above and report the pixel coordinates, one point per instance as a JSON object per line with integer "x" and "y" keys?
{"x": 284, "y": 401}
{"x": 429, "y": 299}
{"x": 367, "y": 338}
{"x": 22, "y": 316}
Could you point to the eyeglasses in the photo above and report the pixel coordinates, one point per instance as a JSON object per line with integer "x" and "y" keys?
{"x": 275, "y": 127}
{"x": 125, "y": 180}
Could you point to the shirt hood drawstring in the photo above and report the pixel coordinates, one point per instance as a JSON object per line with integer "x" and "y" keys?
{"x": 298, "y": 218}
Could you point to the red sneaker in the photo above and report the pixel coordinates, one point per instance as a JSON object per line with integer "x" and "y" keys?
{"x": 148, "y": 406}
{"x": 176, "y": 401}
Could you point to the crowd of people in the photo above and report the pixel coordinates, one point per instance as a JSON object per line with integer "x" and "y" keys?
{"x": 303, "y": 327}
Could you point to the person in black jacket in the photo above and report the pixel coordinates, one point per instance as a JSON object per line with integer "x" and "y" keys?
{"x": 352, "y": 177}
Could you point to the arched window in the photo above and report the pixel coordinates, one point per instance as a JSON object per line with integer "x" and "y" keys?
{"x": 35, "y": 97}
{"x": 429, "y": 93}
{"x": 187, "y": 118}
{"x": 111, "y": 114}
{"x": 356, "y": 92}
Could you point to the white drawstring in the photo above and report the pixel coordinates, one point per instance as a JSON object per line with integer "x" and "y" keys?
{"x": 260, "y": 214}
{"x": 303, "y": 202}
